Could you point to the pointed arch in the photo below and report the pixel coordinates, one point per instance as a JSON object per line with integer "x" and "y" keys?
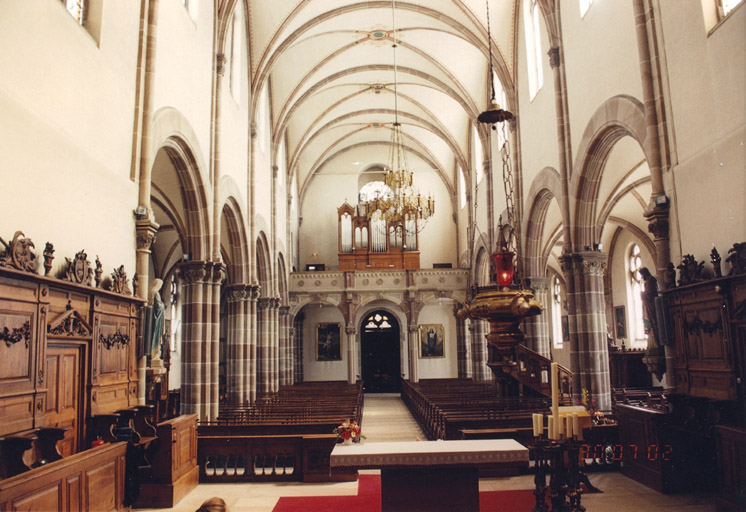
{"x": 620, "y": 116}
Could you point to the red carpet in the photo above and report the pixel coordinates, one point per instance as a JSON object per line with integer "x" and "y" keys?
{"x": 368, "y": 499}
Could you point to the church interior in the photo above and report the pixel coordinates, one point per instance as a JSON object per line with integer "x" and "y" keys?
{"x": 234, "y": 232}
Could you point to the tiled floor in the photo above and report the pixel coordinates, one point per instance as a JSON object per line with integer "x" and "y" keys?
{"x": 385, "y": 418}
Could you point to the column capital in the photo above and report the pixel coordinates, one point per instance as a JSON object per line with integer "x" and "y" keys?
{"x": 146, "y": 230}
{"x": 351, "y": 330}
{"x": 554, "y": 57}
{"x": 413, "y": 328}
{"x": 539, "y": 284}
{"x": 239, "y": 292}
{"x": 658, "y": 221}
{"x": 220, "y": 64}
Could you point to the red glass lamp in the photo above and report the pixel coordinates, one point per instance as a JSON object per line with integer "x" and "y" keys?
{"x": 504, "y": 268}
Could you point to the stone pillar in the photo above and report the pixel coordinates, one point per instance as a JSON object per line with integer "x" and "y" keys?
{"x": 200, "y": 313}
{"x": 351, "y": 358}
{"x": 414, "y": 344}
{"x": 589, "y": 353}
{"x": 253, "y": 341}
{"x": 237, "y": 353}
{"x": 286, "y": 363}
{"x": 264, "y": 365}
{"x": 462, "y": 346}
{"x": 478, "y": 330}
{"x": 145, "y": 237}
{"x": 537, "y": 327}
{"x": 298, "y": 345}
{"x": 274, "y": 343}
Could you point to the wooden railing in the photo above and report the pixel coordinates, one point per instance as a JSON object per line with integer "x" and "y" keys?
{"x": 262, "y": 458}
{"x": 533, "y": 371}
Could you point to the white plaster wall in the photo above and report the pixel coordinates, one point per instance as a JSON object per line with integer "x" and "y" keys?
{"x": 536, "y": 118}
{"x": 314, "y": 370}
{"x": 66, "y": 114}
{"x": 707, "y": 83}
{"x": 440, "y": 367}
{"x": 601, "y": 59}
{"x": 184, "y": 69}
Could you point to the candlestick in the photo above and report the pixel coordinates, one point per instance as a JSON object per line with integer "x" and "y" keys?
{"x": 555, "y": 390}
{"x": 576, "y": 426}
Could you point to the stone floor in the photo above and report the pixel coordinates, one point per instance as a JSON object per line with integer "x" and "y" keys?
{"x": 386, "y": 418}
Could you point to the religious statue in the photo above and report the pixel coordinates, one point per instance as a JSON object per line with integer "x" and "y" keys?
{"x": 649, "y": 293}
{"x": 153, "y": 322}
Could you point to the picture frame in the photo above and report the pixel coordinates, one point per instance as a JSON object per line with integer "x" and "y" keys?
{"x": 328, "y": 342}
{"x": 432, "y": 341}
{"x": 620, "y": 321}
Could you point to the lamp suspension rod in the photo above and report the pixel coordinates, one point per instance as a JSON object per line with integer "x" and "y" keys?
{"x": 489, "y": 49}
{"x": 396, "y": 84}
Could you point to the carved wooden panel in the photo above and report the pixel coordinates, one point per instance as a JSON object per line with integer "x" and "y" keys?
{"x": 49, "y": 497}
{"x": 17, "y": 347}
{"x": 99, "y": 491}
{"x": 17, "y": 413}
{"x": 112, "y": 341}
{"x": 107, "y": 399}
{"x": 63, "y": 407}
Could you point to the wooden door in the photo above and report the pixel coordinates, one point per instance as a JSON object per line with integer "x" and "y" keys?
{"x": 64, "y": 373}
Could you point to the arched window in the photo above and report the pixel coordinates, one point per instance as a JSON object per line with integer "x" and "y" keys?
{"x": 377, "y": 322}
{"x": 556, "y": 313}
{"x": 533, "y": 47}
{"x": 234, "y": 57}
{"x": 634, "y": 296}
{"x": 77, "y": 9}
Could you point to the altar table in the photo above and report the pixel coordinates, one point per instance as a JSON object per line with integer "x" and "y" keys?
{"x": 430, "y": 475}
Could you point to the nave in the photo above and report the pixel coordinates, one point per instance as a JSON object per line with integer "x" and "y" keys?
{"x": 386, "y": 418}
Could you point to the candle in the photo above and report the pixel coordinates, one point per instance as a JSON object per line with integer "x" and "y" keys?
{"x": 550, "y": 427}
{"x": 540, "y": 421}
{"x": 555, "y": 390}
{"x": 570, "y": 430}
{"x": 560, "y": 426}
{"x": 576, "y": 426}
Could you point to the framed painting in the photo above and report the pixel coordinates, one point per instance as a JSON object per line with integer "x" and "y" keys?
{"x": 432, "y": 339}
{"x": 620, "y": 320}
{"x": 328, "y": 342}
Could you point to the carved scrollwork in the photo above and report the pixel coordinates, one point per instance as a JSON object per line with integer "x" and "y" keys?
{"x": 113, "y": 339}
{"x": 737, "y": 259}
{"x": 13, "y": 336}
{"x": 690, "y": 270}
{"x": 696, "y": 325}
{"x": 119, "y": 281}
{"x": 79, "y": 269}
{"x": 18, "y": 253}
{"x": 69, "y": 323}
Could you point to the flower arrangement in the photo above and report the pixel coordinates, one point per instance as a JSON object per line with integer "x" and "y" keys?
{"x": 597, "y": 416}
{"x": 349, "y": 432}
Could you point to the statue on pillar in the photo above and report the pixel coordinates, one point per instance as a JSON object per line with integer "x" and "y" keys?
{"x": 153, "y": 323}
{"x": 654, "y": 356}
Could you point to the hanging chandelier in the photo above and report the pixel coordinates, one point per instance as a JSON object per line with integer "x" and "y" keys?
{"x": 401, "y": 206}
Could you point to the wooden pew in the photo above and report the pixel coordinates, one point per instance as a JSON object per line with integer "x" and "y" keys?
{"x": 90, "y": 480}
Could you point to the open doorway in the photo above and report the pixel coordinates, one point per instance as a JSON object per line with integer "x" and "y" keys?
{"x": 380, "y": 357}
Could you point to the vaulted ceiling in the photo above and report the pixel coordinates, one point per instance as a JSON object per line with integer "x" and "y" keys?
{"x": 330, "y": 65}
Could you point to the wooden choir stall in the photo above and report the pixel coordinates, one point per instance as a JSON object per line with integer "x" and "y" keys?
{"x": 73, "y": 436}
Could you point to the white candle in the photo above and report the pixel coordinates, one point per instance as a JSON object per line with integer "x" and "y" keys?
{"x": 541, "y": 423}
{"x": 570, "y": 430}
{"x": 550, "y": 427}
{"x": 576, "y": 426}
{"x": 560, "y": 426}
{"x": 555, "y": 390}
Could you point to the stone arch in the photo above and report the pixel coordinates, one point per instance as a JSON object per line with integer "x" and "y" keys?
{"x": 237, "y": 250}
{"x": 173, "y": 134}
{"x": 546, "y": 187}
{"x": 620, "y": 116}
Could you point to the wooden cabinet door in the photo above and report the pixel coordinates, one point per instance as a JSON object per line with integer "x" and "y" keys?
{"x": 63, "y": 369}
